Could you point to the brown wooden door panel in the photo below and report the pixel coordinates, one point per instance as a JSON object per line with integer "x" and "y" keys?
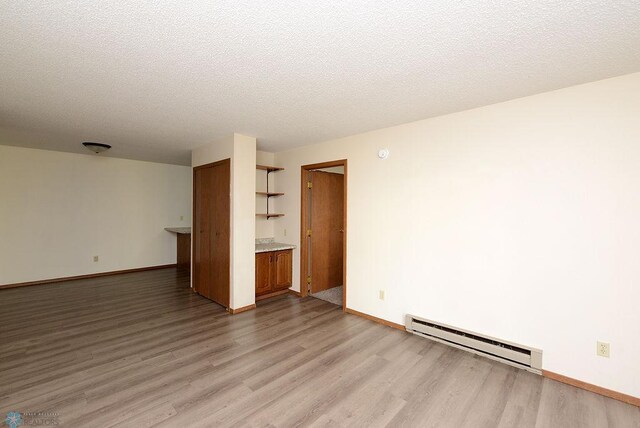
{"x": 183, "y": 250}
{"x": 211, "y": 234}
{"x": 201, "y": 233}
{"x": 327, "y": 214}
{"x": 263, "y": 273}
{"x": 283, "y": 263}
{"x": 219, "y": 290}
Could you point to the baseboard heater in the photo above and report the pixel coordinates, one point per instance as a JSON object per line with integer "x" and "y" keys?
{"x": 500, "y": 350}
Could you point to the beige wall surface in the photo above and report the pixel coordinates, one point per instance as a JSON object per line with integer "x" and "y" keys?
{"x": 244, "y": 220}
{"x": 333, "y": 169}
{"x": 517, "y": 220}
{"x": 58, "y": 210}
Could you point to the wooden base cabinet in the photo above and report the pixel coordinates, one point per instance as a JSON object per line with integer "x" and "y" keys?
{"x": 183, "y": 250}
{"x": 273, "y": 271}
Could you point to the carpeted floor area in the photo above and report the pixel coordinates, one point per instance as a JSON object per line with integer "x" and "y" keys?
{"x": 332, "y": 295}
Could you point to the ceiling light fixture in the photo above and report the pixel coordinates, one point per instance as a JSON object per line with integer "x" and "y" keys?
{"x": 96, "y": 147}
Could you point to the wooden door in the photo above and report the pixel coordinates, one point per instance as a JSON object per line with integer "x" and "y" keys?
{"x": 263, "y": 273}
{"x": 201, "y": 233}
{"x": 326, "y": 221}
{"x": 211, "y": 234}
{"x": 282, "y": 265}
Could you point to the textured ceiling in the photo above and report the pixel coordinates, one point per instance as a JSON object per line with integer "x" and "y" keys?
{"x": 156, "y": 79}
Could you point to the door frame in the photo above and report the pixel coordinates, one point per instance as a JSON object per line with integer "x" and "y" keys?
{"x": 193, "y": 223}
{"x": 304, "y": 212}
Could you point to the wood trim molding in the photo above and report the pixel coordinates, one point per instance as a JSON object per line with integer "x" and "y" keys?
{"x": 211, "y": 164}
{"x": 376, "y": 319}
{"x": 242, "y": 309}
{"x": 303, "y": 236}
{"x": 294, "y": 292}
{"x": 87, "y": 276}
{"x": 629, "y": 399}
{"x": 344, "y": 241}
{"x": 303, "y": 215}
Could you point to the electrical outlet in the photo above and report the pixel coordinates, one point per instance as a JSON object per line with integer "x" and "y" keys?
{"x": 95, "y": 258}
{"x": 181, "y": 217}
{"x": 285, "y": 232}
{"x": 603, "y": 349}
{"x": 381, "y": 295}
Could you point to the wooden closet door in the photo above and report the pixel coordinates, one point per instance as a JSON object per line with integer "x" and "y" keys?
{"x": 219, "y": 289}
{"x": 212, "y": 221}
{"x": 201, "y": 230}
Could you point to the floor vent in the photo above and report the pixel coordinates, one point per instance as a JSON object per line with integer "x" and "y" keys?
{"x": 510, "y": 353}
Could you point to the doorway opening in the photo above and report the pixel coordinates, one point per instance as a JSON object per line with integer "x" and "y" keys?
{"x": 323, "y": 231}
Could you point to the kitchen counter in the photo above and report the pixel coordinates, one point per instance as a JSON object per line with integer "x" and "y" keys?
{"x": 264, "y": 245}
{"x": 273, "y": 246}
{"x": 183, "y": 246}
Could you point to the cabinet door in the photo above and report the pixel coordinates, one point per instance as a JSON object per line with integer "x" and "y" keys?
{"x": 282, "y": 269}
{"x": 263, "y": 273}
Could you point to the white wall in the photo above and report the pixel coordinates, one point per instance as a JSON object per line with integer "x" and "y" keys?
{"x": 58, "y": 210}
{"x": 242, "y": 152}
{"x": 519, "y": 220}
{"x": 333, "y": 169}
{"x": 244, "y": 221}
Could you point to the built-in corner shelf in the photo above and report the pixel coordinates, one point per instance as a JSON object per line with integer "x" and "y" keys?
{"x": 269, "y": 194}
{"x": 269, "y": 168}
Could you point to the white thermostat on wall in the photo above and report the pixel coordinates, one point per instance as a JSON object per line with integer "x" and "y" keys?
{"x": 383, "y": 153}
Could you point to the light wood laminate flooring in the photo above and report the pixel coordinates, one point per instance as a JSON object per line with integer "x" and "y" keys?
{"x": 141, "y": 349}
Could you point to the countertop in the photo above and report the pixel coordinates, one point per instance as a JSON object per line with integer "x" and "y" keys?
{"x": 264, "y": 245}
{"x": 273, "y": 246}
{"x": 180, "y": 230}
